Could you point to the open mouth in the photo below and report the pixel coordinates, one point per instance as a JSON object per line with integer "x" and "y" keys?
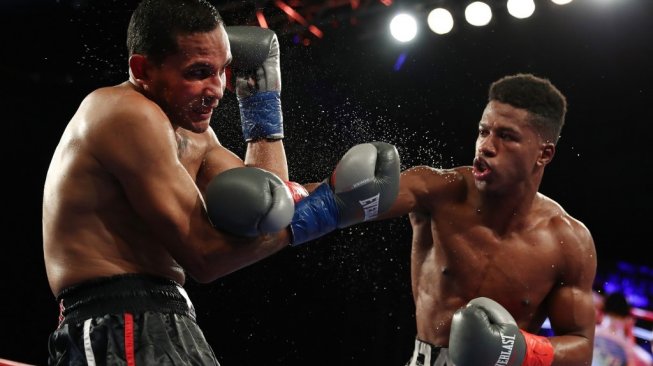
{"x": 481, "y": 169}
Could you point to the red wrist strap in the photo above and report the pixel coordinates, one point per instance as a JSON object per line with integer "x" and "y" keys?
{"x": 297, "y": 191}
{"x": 539, "y": 350}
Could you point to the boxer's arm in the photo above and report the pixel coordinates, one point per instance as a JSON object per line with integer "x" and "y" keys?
{"x": 269, "y": 155}
{"x": 142, "y": 155}
{"x": 570, "y": 305}
{"x": 255, "y": 76}
{"x": 412, "y": 183}
{"x": 422, "y": 188}
{"x": 217, "y": 159}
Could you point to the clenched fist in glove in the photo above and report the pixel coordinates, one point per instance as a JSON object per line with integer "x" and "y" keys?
{"x": 256, "y": 78}
{"x": 364, "y": 184}
{"x": 483, "y": 333}
{"x": 248, "y": 201}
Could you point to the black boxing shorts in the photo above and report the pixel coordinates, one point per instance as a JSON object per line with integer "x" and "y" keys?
{"x": 426, "y": 354}
{"x": 128, "y": 320}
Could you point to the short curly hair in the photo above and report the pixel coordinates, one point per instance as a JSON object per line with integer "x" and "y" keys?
{"x": 546, "y": 104}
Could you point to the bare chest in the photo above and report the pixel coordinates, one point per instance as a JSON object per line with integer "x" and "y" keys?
{"x": 464, "y": 259}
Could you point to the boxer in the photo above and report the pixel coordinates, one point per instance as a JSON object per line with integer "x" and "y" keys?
{"x": 134, "y": 198}
{"x": 492, "y": 257}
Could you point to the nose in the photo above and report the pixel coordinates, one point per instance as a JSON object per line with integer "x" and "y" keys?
{"x": 485, "y": 146}
{"x": 215, "y": 87}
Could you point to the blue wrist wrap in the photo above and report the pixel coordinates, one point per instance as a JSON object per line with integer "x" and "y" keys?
{"x": 315, "y": 215}
{"x": 260, "y": 115}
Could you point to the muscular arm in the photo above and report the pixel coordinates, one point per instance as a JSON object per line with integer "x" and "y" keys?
{"x": 268, "y": 155}
{"x": 422, "y": 187}
{"x": 138, "y": 147}
{"x": 264, "y": 154}
{"x": 570, "y": 305}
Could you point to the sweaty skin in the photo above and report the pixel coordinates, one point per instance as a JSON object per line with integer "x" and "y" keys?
{"x": 123, "y": 191}
{"x": 486, "y": 231}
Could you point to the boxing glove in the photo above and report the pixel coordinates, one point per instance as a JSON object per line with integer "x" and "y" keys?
{"x": 483, "y": 333}
{"x": 256, "y": 78}
{"x": 363, "y": 185}
{"x": 248, "y": 201}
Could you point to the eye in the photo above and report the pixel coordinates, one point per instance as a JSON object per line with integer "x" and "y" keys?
{"x": 507, "y": 136}
{"x": 483, "y": 132}
{"x": 199, "y": 73}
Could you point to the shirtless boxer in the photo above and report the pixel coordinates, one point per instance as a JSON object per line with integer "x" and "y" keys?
{"x": 139, "y": 185}
{"x": 486, "y": 241}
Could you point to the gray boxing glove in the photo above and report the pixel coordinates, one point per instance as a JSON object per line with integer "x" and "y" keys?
{"x": 483, "y": 333}
{"x": 248, "y": 201}
{"x": 256, "y": 78}
{"x": 364, "y": 184}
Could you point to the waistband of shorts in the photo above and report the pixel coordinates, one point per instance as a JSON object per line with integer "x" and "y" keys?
{"x": 424, "y": 348}
{"x": 124, "y": 293}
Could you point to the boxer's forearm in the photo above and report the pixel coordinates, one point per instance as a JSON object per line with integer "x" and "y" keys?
{"x": 268, "y": 155}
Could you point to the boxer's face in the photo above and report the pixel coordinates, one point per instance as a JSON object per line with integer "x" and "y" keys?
{"x": 507, "y": 148}
{"x": 190, "y": 83}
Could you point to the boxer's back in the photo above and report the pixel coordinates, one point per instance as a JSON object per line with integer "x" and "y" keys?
{"x": 90, "y": 228}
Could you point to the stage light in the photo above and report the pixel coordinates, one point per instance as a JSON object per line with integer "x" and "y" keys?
{"x": 292, "y": 13}
{"x": 261, "y": 19}
{"x": 561, "y": 2}
{"x": 478, "y": 13}
{"x": 440, "y": 21}
{"x": 403, "y": 27}
{"x": 521, "y": 8}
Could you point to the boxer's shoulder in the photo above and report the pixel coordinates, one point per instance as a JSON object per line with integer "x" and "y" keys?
{"x": 554, "y": 217}
{"x": 439, "y": 185}
{"x": 119, "y": 104}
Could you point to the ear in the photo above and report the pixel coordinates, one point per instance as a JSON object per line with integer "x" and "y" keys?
{"x": 547, "y": 152}
{"x": 138, "y": 69}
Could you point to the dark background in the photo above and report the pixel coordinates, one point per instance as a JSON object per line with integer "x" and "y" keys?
{"x": 344, "y": 299}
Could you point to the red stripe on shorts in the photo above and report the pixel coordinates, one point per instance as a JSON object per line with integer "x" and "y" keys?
{"x": 129, "y": 339}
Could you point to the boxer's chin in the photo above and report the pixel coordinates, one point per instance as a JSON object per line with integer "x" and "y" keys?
{"x": 481, "y": 185}
{"x": 199, "y": 122}
{"x": 200, "y": 126}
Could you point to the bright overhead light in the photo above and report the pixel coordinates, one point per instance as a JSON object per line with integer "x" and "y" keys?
{"x": 521, "y": 8}
{"x": 561, "y": 2}
{"x": 403, "y": 27}
{"x": 478, "y": 13}
{"x": 440, "y": 21}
